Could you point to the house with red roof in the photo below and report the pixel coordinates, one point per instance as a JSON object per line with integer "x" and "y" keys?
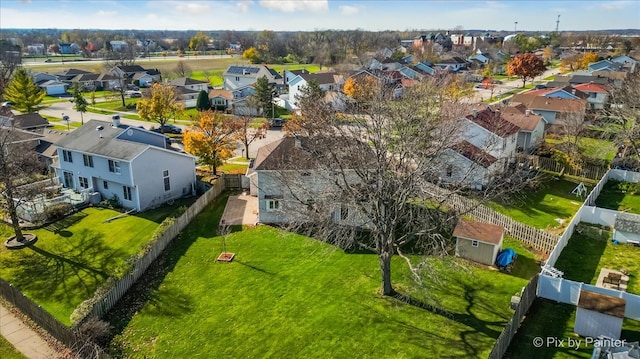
{"x": 597, "y": 94}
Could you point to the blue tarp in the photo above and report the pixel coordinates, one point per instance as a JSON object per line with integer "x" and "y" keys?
{"x": 506, "y": 257}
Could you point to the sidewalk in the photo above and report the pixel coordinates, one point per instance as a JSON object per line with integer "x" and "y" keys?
{"x": 23, "y": 338}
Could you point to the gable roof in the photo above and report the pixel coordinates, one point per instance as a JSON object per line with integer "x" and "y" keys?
{"x": 602, "y": 303}
{"x": 590, "y": 87}
{"x": 542, "y": 103}
{"x": 492, "y": 121}
{"x": 221, "y": 93}
{"x": 322, "y": 78}
{"x": 52, "y": 83}
{"x": 518, "y": 116}
{"x": 478, "y": 231}
{"x": 29, "y": 120}
{"x": 186, "y": 81}
{"x": 584, "y": 79}
{"x": 473, "y": 153}
{"x": 72, "y": 72}
{"x": 47, "y": 146}
{"x": 627, "y": 222}
{"x": 131, "y": 68}
{"x": 89, "y": 139}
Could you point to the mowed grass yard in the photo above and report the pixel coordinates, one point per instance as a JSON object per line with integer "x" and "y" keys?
{"x": 7, "y": 351}
{"x": 588, "y": 251}
{"x": 544, "y": 207}
{"x": 73, "y": 257}
{"x": 621, "y": 196}
{"x": 591, "y": 147}
{"x": 289, "y": 296}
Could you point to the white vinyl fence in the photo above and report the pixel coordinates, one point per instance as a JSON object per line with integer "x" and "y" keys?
{"x": 568, "y": 291}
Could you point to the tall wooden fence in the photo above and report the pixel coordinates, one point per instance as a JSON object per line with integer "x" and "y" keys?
{"x": 526, "y": 299}
{"x": 591, "y": 172}
{"x": 105, "y": 302}
{"x": 534, "y": 237}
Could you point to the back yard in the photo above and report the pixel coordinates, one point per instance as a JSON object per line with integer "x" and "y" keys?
{"x": 588, "y": 251}
{"x": 621, "y": 196}
{"x": 549, "y": 206}
{"x": 289, "y": 296}
{"x": 73, "y": 257}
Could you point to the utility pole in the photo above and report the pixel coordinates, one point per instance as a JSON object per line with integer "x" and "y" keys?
{"x": 557, "y": 24}
{"x": 515, "y": 26}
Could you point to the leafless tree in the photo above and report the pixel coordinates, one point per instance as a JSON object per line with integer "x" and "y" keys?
{"x": 367, "y": 180}
{"x": 19, "y": 165}
{"x": 624, "y": 109}
{"x": 247, "y": 131}
{"x": 10, "y": 60}
{"x": 182, "y": 69}
{"x": 123, "y": 57}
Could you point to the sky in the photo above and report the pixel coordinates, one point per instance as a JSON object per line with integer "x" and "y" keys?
{"x": 307, "y": 15}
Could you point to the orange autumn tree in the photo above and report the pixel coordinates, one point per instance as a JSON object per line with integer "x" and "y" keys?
{"x": 361, "y": 89}
{"x": 526, "y": 66}
{"x": 211, "y": 138}
{"x": 588, "y": 58}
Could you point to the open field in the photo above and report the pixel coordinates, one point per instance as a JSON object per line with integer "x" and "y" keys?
{"x": 76, "y": 255}
{"x": 549, "y": 206}
{"x": 289, "y": 296}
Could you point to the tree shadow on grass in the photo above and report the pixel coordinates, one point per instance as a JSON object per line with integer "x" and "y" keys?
{"x": 66, "y": 222}
{"x": 580, "y": 258}
{"x": 73, "y": 270}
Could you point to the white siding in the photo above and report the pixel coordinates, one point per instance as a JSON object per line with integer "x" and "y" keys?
{"x": 148, "y": 176}
{"x": 590, "y": 323}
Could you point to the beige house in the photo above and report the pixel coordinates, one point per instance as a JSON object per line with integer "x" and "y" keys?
{"x": 478, "y": 242}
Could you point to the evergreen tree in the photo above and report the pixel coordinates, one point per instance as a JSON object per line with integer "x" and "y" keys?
{"x": 203, "y": 103}
{"x": 264, "y": 92}
{"x": 24, "y": 93}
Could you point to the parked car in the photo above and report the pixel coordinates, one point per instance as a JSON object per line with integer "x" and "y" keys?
{"x": 276, "y": 122}
{"x": 168, "y": 129}
{"x": 47, "y": 60}
{"x": 132, "y": 93}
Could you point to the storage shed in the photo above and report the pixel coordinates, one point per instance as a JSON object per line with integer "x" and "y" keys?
{"x": 599, "y": 315}
{"x": 627, "y": 228}
{"x": 479, "y": 242}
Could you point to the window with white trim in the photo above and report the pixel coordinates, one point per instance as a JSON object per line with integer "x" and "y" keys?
{"x": 273, "y": 205}
{"x": 167, "y": 182}
{"x": 84, "y": 182}
{"x": 114, "y": 166}
{"x": 88, "y": 160}
{"x": 105, "y": 184}
{"x": 66, "y": 156}
{"x": 126, "y": 193}
{"x": 474, "y": 243}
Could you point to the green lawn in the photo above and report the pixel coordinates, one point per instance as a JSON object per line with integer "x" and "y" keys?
{"x": 582, "y": 259}
{"x": 591, "y": 147}
{"x": 75, "y": 256}
{"x": 289, "y": 296}
{"x": 550, "y": 78}
{"x": 7, "y": 351}
{"x": 116, "y": 105}
{"x": 621, "y": 196}
{"x": 233, "y": 168}
{"x": 542, "y": 208}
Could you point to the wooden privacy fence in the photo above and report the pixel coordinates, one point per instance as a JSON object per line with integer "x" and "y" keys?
{"x": 526, "y": 299}
{"x": 534, "y": 237}
{"x": 592, "y": 172}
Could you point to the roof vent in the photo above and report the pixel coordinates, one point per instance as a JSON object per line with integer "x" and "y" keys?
{"x": 99, "y": 128}
{"x": 475, "y": 112}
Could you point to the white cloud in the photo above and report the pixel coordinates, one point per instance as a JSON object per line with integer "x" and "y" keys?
{"x": 106, "y": 13}
{"x": 243, "y": 5}
{"x": 297, "y": 5}
{"x": 615, "y": 5}
{"x": 192, "y": 8}
{"x": 25, "y": 1}
{"x": 349, "y": 10}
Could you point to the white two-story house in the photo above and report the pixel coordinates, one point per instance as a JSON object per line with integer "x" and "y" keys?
{"x": 241, "y": 76}
{"x": 327, "y": 81}
{"x": 132, "y": 164}
{"x": 487, "y": 142}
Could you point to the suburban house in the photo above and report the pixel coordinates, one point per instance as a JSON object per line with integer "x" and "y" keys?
{"x": 454, "y": 64}
{"x": 126, "y": 162}
{"x": 190, "y": 83}
{"x": 478, "y": 242}
{"x": 597, "y": 94}
{"x": 286, "y": 179}
{"x": 487, "y": 142}
{"x": 96, "y": 82}
{"x": 67, "y": 75}
{"x": 328, "y": 81}
{"x": 118, "y": 45}
{"x": 240, "y": 76}
{"x": 604, "y": 65}
{"x": 54, "y": 87}
{"x": 555, "y": 111}
{"x": 17, "y": 136}
{"x": 47, "y": 149}
{"x": 221, "y": 100}
{"x": 629, "y": 64}
{"x": 143, "y": 79}
{"x": 532, "y": 126}
{"x": 557, "y": 92}
{"x": 40, "y": 77}
{"x": 29, "y": 121}
{"x": 129, "y": 72}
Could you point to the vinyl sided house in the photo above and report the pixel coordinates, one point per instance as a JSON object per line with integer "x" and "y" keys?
{"x": 286, "y": 178}
{"x": 128, "y": 162}
{"x": 597, "y": 94}
{"x": 240, "y": 76}
{"x": 531, "y": 126}
{"x": 555, "y": 111}
{"x": 328, "y": 81}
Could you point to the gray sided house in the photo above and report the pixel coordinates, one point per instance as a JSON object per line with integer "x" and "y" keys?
{"x": 286, "y": 178}
{"x": 478, "y": 242}
{"x": 128, "y": 162}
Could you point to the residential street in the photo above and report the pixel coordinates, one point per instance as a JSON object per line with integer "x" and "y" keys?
{"x": 482, "y": 94}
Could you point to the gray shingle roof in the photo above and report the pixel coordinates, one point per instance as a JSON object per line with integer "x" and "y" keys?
{"x": 627, "y": 222}
{"x": 89, "y": 139}
{"x": 185, "y": 81}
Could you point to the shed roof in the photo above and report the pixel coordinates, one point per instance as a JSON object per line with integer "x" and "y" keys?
{"x": 602, "y": 303}
{"x": 484, "y": 232}
{"x": 627, "y": 222}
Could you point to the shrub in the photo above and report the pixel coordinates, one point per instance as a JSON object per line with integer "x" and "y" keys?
{"x": 113, "y": 202}
{"x": 58, "y": 210}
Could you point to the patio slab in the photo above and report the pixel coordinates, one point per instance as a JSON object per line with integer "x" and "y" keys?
{"x": 240, "y": 210}
{"x": 604, "y": 283}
